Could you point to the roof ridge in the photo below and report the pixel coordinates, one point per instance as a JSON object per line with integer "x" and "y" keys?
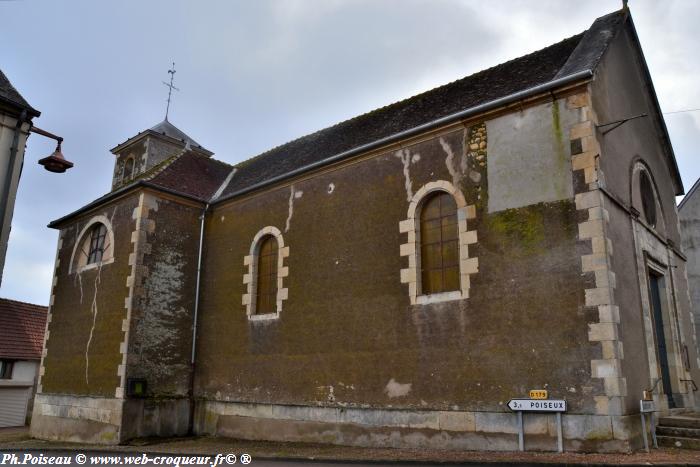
{"x": 401, "y": 101}
{"x": 594, "y": 33}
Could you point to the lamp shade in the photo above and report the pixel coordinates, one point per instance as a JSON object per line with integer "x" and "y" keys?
{"x": 56, "y": 162}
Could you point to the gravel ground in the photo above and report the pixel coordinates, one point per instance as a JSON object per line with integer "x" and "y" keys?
{"x": 302, "y": 451}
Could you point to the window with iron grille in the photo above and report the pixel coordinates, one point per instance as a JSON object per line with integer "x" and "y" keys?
{"x": 439, "y": 244}
{"x": 97, "y": 243}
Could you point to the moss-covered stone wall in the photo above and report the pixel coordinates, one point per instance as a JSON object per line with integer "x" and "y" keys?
{"x": 347, "y": 334}
{"x": 85, "y": 332}
{"x": 162, "y": 309}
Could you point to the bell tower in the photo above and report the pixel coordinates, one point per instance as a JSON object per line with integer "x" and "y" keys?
{"x": 141, "y": 153}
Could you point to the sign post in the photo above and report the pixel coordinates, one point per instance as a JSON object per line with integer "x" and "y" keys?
{"x": 647, "y": 406}
{"x": 538, "y": 405}
{"x": 521, "y": 432}
{"x": 560, "y": 436}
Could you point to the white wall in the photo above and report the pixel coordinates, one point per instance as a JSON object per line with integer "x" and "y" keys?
{"x": 25, "y": 371}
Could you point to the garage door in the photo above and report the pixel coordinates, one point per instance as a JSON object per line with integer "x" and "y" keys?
{"x": 13, "y": 406}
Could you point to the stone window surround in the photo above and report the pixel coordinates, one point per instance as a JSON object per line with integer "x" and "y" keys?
{"x": 250, "y": 278}
{"x": 639, "y": 166}
{"x": 411, "y": 227}
{"x": 108, "y": 255}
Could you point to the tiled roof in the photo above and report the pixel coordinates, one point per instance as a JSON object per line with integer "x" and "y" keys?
{"x": 188, "y": 174}
{"x": 572, "y": 55}
{"x": 193, "y": 175}
{"x": 199, "y": 177}
{"x": 168, "y": 129}
{"x": 22, "y": 328}
{"x": 8, "y": 93}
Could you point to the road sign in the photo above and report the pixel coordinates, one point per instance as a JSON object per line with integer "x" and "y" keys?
{"x": 646, "y": 406}
{"x": 538, "y": 394}
{"x": 534, "y": 405}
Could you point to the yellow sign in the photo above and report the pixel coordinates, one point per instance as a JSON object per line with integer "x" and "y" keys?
{"x": 538, "y": 394}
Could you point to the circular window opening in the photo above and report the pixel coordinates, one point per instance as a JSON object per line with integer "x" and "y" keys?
{"x": 648, "y": 203}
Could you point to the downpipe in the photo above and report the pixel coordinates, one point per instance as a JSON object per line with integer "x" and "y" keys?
{"x": 202, "y": 216}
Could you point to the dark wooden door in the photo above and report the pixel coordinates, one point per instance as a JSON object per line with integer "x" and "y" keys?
{"x": 660, "y": 336}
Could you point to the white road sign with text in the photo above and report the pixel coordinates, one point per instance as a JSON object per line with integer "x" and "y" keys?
{"x": 535, "y": 405}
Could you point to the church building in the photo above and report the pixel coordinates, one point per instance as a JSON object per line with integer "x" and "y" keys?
{"x": 392, "y": 280}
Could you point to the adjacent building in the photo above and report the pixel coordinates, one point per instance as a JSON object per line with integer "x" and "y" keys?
{"x": 15, "y": 123}
{"x": 689, "y": 214}
{"x": 392, "y": 280}
{"x": 22, "y": 328}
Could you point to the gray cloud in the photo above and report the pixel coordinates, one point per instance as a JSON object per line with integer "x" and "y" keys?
{"x": 257, "y": 74}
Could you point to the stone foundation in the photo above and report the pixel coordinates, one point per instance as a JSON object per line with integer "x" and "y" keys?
{"x": 155, "y": 417}
{"x": 81, "y": 419}
{"x": 493, "y": 431}
{"x": 99, "y": 420}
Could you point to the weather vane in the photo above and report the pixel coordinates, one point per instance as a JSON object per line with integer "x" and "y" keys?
{"x": 170, "y": 89}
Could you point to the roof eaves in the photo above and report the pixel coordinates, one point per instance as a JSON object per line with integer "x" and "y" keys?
{"x": 31, "y": 111}
{"x": 468, "y": 112}
{"x": 122, "y": 191}
{"x": 103, "y": 199}
{"x": 169, "y": 138}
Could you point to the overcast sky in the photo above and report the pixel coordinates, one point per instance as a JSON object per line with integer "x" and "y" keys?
{"x": 257, "y": 74}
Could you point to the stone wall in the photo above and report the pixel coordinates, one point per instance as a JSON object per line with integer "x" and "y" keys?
{"x": 80, "y": 419}
{"x": 353, "y": 336}
{"x": 458, "y": 430}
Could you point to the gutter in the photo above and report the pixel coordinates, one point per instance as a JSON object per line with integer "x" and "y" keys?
{"x": 31, "y": 111}
{"x": 462, "y": 114}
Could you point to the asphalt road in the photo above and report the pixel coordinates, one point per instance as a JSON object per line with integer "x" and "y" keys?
{"x": 11, "y": 458}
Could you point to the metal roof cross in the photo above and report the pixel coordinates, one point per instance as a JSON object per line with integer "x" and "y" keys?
{"x": 170, "y": 89}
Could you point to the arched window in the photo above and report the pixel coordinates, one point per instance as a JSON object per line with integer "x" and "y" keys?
{"x": 439, "y": 244}
{"x": 98, "y": 233}
{"x": 95, "y": 245}
{"x": 644, "y": 197}
{"x": 266, "y": 272}
{"x": 648, "y": 198}
{"x": 266, "y": 293}
{"x": 128, "y": 169}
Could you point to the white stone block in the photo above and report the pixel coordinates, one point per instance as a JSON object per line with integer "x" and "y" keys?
{"x": 407, "y": 225}
{"x": 588, "y": 199}
{"x": 605, "y": 368}
{"x": 602, "y": 332}
{"x": 598, "y": 296}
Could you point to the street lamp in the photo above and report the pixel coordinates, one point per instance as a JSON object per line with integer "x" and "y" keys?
{"x": 55, "y": 162}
